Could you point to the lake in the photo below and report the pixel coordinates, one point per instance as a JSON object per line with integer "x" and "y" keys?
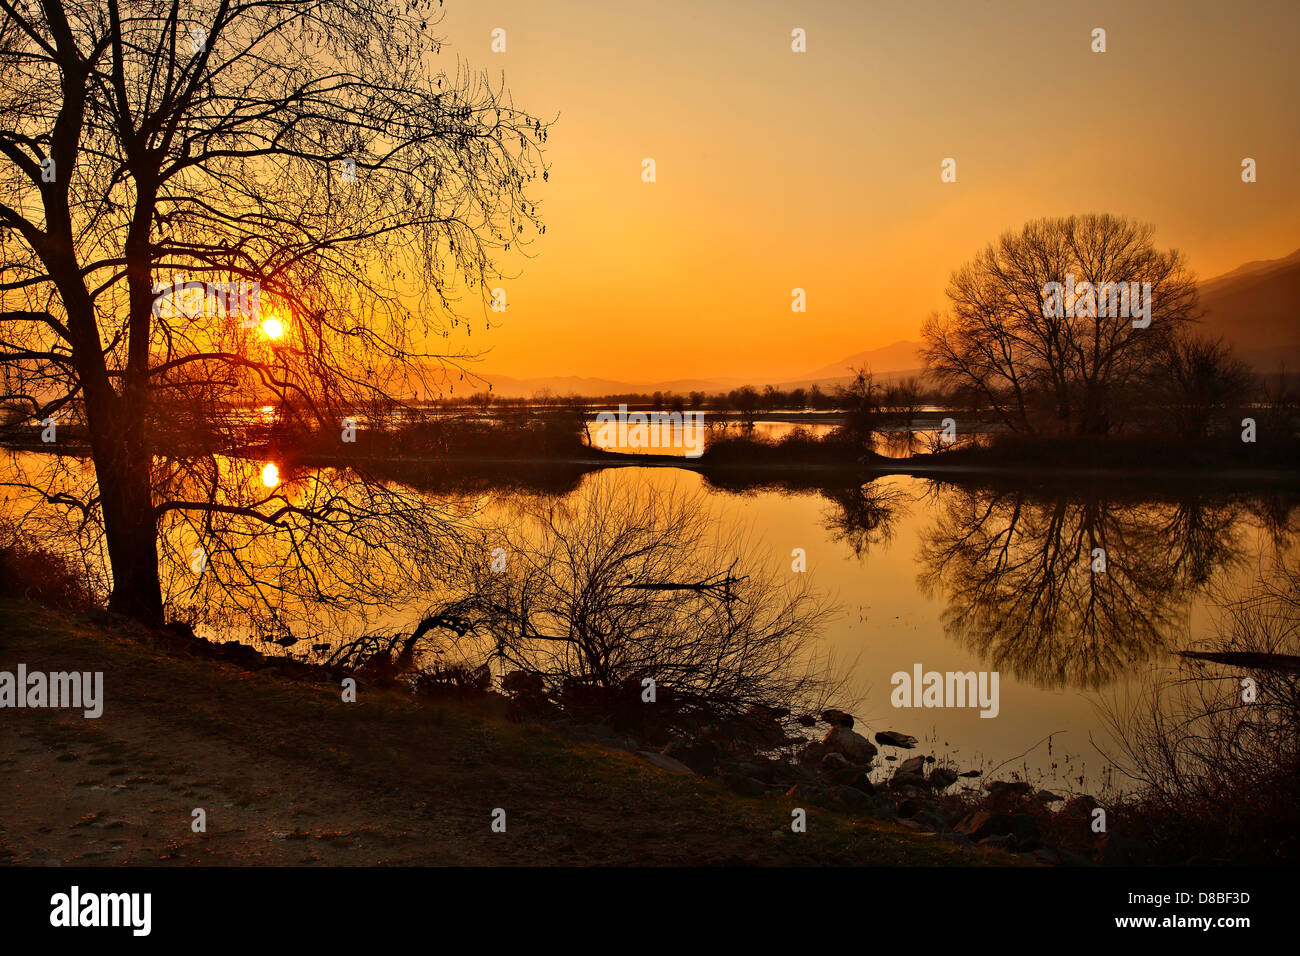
{"x": 961, "y": 579}
{"x": 1001, "y": 576}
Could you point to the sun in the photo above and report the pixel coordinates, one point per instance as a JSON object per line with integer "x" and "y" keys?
{"x": 273, "y": 327}
{"x": 271, "y": 475}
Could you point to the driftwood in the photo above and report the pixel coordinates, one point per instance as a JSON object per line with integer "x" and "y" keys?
{"x": 1252, "y": 660}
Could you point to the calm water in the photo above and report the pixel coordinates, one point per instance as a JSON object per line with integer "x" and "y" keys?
{"x": 959, "y": 579}
{"x": 965, "y": 578}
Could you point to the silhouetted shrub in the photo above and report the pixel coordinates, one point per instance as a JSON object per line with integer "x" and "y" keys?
{"x": 32, "y": 573}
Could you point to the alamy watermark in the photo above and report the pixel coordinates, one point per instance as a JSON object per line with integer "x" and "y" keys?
{"x": 1090, "y": 300}
{"x": 78, "y": 690}
{"x": 624, "y": 429}
{"x": 192, "y": 298}
{"x": 946, "y": 689}
{"x": 76, "y": 909}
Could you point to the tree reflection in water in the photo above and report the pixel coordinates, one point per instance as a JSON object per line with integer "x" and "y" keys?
{"x": 1016, "y": 570}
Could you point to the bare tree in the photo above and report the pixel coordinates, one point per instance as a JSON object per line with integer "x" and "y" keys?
{"x": 607, "y": 592}
{"x": 863, "y": 402}
{"x": 747, "y": 402}
{"x": 1198, "y": 384}
{"x": 1213, "y": 743}
{"x": 1077, "y": 368}
{"x": 314, "y": 148}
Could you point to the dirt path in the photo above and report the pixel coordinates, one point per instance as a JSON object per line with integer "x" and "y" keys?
{"x": 289, "y": 774}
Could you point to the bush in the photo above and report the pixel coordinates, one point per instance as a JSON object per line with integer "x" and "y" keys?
{"x": 32, "y": 573}
{"x": 451, "y": 680}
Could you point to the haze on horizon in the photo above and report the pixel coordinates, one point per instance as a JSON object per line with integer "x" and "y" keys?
{"x": 820, "y": 170}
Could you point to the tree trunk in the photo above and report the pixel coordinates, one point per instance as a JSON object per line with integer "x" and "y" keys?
{"x": 123, "y": 464}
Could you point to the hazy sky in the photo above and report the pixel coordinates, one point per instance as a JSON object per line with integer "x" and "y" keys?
{"x": 821, "y": 170}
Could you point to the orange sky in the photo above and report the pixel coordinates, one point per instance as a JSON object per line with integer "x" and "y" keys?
{"x": 821, "y": 170}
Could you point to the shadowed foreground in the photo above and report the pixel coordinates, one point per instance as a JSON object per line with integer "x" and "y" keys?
{"x": 288, "y": 774}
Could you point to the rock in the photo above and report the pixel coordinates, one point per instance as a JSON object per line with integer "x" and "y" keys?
{"x": 941, "y": 778}
{"x": 177, "y": 628}
{"x": 664, "y": 762}
{"x": 854, "y": 798}
{"x": 930, "y": 820}
{"x": 745, "y": 786}
{"x": 784, "y": 770}
{"x": 838, "y": 769}
{"x": 862, "y": 782}
{"x": 837, "y": 718}
{"x": 1046, "y": 796}
{"x": 971, "y": 773}
{"x": 701, "y": 757}
{"x": 1003, "y": 841}
{"x": 893, "y": 738}
{"x": 834, "y": 762}
{"x": 762, "y": 772}
{"x": 808, "y": 793}
{"x": 806, "y": 720}
{"x": 1080, "y": 806}
{"x": 912, "y": 765}
{"x": 851, "y": 744}
{"x": 911, "y": 806}
{"x": 812, "y": 754}
{"x": 1006, "y": 792}
{"x": 900, "y": 779}
{"x": 985, "y": 823}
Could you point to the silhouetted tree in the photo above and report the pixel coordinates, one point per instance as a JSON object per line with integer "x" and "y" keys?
{"x": 1037, "y": 370}
{"x": 1197, "y": 385}
{"x": 316, "y": 148}
{"x": 610, "y": 591}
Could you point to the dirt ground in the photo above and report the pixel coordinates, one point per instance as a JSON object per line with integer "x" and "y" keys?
{"x": 287, "y": 774}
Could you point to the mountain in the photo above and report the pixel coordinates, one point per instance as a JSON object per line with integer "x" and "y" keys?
{"x": 1255, "y": 308}
{"x": 901, "y": 356}
{"x": 562, "y": 385}
{"x": 898, "y": 360}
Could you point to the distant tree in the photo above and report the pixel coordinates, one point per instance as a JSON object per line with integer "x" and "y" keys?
{"x": 1077, "y": 373}
{"x": 747, "y": 402}
{"x": 904, "y": 400}
{"x": 1197, "y": 384}
{"x": 864, "y": 414}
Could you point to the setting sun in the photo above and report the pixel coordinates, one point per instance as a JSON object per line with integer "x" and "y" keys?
{"x": 699, "y": 414}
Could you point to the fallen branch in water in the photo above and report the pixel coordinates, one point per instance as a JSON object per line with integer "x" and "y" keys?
{"x": 1254, "y": 660}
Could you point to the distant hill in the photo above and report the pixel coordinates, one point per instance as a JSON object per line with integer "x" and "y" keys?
{"x": 1255, "y": 308}
{"x": 562, "y": 385}
{"x": 901, "y": 356}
